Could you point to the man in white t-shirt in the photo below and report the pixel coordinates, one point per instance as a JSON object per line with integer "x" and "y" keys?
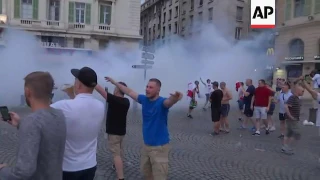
{"x": 316, "y": 96}
{"x": 209, "y": 90}
{"x": 84, "y": 115}
{"x": 282, "y": 99}
{"x": 316, "y": 85}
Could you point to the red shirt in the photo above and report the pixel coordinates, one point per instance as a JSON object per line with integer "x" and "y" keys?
{"x": 261, "y": 96}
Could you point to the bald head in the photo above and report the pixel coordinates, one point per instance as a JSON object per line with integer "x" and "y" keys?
{"x": 298, "y": 90}
{"x": 248, "y": 82}
{"x": 222, "y": 85}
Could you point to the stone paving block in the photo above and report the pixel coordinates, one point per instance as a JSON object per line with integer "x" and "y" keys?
{"x": 196, "y": 155}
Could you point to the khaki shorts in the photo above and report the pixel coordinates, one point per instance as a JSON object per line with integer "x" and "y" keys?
{"x": 293, "y": 129}
{"x": 155, "y": 161}
{"x": 115, "y": 144}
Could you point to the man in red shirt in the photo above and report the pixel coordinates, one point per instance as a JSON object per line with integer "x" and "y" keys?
{"x": 261, "y": 104}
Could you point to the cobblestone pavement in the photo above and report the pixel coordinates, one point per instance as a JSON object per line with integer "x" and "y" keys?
{"x": 195, "y": 155}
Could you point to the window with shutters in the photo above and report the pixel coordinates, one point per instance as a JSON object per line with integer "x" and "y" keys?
{"x": 26, "y": 9}
{"x": 299, "y": 8}
{"x": 54, "y": 10}
{"x": 105, "y": 13}
{"x": 80, "y": 9}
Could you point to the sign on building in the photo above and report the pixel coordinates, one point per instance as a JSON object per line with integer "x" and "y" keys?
{"x": 270, "y": 52}
{"x": 263, "y": 14}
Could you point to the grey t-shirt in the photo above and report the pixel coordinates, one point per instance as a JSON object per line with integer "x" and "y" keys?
{"x": 42, "y": 136}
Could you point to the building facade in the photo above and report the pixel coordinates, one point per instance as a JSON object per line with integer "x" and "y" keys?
{"x": 297, "y": 45}
{"x": 80, "y": 24}
{"x": 161, "y": 19}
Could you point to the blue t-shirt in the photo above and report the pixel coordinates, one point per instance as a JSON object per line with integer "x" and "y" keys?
{"x": 247, "y": 99}
{"x": 155, "y": 121}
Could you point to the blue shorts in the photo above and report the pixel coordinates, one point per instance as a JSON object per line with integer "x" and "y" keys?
{"x": 240, "y": 104}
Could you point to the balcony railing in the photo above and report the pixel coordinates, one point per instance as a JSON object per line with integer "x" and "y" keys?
{"x": 49, "y": 25}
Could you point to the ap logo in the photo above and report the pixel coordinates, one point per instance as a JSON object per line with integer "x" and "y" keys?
{"x": 263, "y": 14}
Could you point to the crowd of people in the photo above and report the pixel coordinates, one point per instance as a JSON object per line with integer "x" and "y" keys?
{"x": 58, "y": 141}
{"x": 257, "y": 105}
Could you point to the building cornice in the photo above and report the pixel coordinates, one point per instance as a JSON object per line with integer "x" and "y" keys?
{"x": 298, "y": 26}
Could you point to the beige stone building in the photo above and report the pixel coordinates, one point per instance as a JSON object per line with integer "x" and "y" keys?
{"x": 161, "y": 19}
{"x": 297, "y": 45}
{"x": 75, "y": 24}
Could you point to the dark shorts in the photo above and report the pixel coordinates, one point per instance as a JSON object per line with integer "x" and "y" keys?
{"x": 193, "y": 104}
{"x": 87, "y": 174}
{"x": 240, "y": 104}
{"x": 282, "y": 116}
{"x": 271, "y": 109}
{"x": 215, "y": 114}
{"x": 207, "y": 97}
{"x": 225, "y": 108}
{"x": 247, "y": 111}
{"x": 293, "y": 129}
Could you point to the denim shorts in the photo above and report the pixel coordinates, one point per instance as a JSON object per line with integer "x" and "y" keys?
{"x": 240, "y": 104}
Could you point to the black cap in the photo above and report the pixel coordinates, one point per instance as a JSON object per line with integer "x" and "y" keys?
{"x": 86, "y": 75}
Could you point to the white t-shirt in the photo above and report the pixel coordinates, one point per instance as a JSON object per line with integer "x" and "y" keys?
{"x": 282, "y": 99}
{"x": 316, "y": 80}
{"x": 209, "y": 88}
{"x": 84, "y": 116}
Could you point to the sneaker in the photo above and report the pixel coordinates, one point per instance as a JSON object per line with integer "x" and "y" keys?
{"x": 189, "y": 116}
{"x": 257, "y": 133}
{"x": 287, "y": 151}
{"x": 113, "y": 167}
{"x": 240, "y": 119}
{"x": 214, "y": 134}
{"x": 272, "y": 128}
{"x": 281, "y": 136}
{"x": 253, "y": 129}
{"x": 267, "y": 131}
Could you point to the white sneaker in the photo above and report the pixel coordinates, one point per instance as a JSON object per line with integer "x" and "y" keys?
{"x": 272, "y": 128}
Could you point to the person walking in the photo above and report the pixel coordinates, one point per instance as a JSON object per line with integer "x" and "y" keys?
{"x": 84, "y": 116}
{"x": 42, "y": 134}
{"x": 155, "y": 109}
{"x": 116, "y": 123}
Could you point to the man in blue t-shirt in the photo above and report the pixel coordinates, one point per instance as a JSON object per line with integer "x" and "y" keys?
{"x": 155, "y": 152}
{"x": 248, "y": 94}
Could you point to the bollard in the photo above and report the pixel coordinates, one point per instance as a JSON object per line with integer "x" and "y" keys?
{"x": 313, "y": 115}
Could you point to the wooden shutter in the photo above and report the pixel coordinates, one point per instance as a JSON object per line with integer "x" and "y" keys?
{"x": 71, "y": 12}
{"x": 288, "y": 13}
{"x": 17, "y": 6}
{"x": 88, "y": 13}
{"x": 307, "y": 7}
{"x": 316, "y": 6}
{"x": 35, "y": 6}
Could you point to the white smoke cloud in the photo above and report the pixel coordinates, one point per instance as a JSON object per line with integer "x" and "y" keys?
{"x": 210, "y": 56}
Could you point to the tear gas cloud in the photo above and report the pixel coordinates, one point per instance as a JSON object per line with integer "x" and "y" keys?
{"x": 210, "y": 56}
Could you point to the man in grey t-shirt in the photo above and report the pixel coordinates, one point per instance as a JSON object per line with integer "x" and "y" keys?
{"x": 42, "y": 134}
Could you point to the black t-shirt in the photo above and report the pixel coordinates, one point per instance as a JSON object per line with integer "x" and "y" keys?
{"x": 116, "y": 121}
{"x": 216, "y": 97}
{"x": 247, "y": 99}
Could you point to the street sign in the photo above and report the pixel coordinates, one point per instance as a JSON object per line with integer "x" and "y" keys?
{"x": 148, "y": 49}
{"x": 147, "y": 62}
{"x": 141, "y": 66}
{"x": 147, "y": 56}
